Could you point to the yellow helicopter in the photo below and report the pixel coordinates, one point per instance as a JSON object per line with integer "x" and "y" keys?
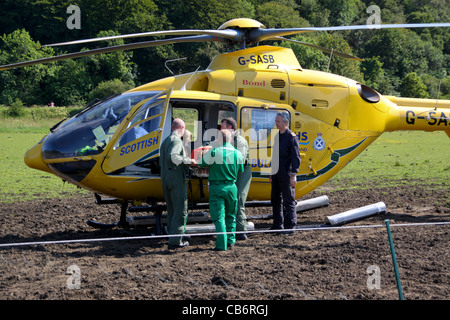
{"x": 112, "y": 147}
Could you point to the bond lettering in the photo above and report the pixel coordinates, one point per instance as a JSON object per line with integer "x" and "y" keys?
{"x": 254, "y": 83}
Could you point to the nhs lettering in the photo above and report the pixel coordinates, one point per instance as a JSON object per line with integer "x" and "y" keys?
{"x": 302, "y": 138}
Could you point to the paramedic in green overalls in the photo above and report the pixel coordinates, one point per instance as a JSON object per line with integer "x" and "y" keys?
{"x": 225, "y": 164}
{"x": 173, "y": 161}
{"x": 244, "y": 179}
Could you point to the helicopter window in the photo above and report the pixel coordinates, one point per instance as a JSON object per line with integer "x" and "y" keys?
{"x": 114, "y": 109}
{"x": 226, "y": 114}
{"x": 147, "y": 111}
{"x": 261, "y": 122}
{"x": 89, "y": 131}
{"x": 147, "y": 120}
{"x": 190, "y": 118}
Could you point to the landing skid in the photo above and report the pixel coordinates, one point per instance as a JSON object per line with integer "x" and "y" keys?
{"x": 124, "y": 222}
{"x": 123, "y": 212}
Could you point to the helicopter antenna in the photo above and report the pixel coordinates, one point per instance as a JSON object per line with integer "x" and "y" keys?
{"x": 183, "y": 88}
{"x": 329, "y": 61}
{"x": 172, "y": 60}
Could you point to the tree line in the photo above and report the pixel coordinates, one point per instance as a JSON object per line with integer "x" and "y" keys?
{"x": 402, "y": 62}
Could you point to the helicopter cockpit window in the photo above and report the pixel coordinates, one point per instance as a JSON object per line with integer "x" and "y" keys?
{"x": 89, "y": 131}
{"x": 146, "y": 120}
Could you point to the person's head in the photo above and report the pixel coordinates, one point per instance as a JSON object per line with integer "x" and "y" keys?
{"x": 282, "y": 121}
{"x": 225, "y": 136}
{"x": 228, "y": 123}
{"x": 178, "y": 126}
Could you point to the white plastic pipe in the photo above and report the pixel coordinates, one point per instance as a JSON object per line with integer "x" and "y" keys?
{"x": 312, "y": 203}
{"x": 356, "y": 214}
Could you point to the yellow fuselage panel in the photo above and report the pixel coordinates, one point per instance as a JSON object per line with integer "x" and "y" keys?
{"x": 272, "y": 74}
{"x": 320, "y": 95}
{"x": 257, "y": 58}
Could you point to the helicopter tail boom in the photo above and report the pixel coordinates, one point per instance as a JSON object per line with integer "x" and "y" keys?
{"x": 420, "y": 114}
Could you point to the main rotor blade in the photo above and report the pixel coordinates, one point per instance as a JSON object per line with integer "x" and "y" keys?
{"x": 270, "y": 33}
{"x": 130, "y": 46}
{"x": 228, "y": 34}
{"x": 334, "y": 52}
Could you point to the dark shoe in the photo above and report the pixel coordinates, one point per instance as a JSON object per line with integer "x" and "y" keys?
{"x": 178, "y": 246}
{"x": 275, "y": 228}
{"x": 230, "y": 246}
{"x": 241, "y": 236}
{"x": 288, "y": 231}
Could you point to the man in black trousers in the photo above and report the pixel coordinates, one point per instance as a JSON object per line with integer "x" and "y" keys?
{"x": 285, "y": 165}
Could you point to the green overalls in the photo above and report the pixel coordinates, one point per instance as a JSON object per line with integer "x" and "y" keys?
{"x": 173, "y": 179}
{"x": 243, "y": 182}
{"x": 225, "y": 163}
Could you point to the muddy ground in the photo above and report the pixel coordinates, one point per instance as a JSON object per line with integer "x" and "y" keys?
{"x": 330, "y": 264}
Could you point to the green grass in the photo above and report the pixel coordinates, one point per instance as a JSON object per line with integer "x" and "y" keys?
{"x": 34, "y": 119}
{"x": 400, "y": 158}
{"x": 395, "y": 159}
{"x": 18, "y": 182}
{"x": 18, "y": 125}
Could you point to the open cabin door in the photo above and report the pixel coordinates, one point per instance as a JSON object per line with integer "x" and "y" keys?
{"x": 136, "y": 150}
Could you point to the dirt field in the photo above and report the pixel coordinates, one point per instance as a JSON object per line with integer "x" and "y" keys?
{"x": 312, "y": 264}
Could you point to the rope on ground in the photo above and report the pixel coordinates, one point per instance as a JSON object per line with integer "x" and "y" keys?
{"x": 306, "y": 228}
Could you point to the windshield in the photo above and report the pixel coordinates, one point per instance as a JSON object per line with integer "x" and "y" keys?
{"x": 89, "y": 132}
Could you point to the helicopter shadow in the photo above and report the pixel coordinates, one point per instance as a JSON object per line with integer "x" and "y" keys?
{"x": 404, "y": 217}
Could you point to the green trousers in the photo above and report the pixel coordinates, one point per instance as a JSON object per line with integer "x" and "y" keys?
{"x": 222, "y": 208}
{"x": 175, "y": 194}
{"x": 243, "y": 185}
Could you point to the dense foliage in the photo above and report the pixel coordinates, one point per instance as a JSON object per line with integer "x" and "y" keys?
{"x": 406, "y": 62}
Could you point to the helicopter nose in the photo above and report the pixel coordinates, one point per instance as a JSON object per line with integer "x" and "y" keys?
{"x": 33, "y": 159}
